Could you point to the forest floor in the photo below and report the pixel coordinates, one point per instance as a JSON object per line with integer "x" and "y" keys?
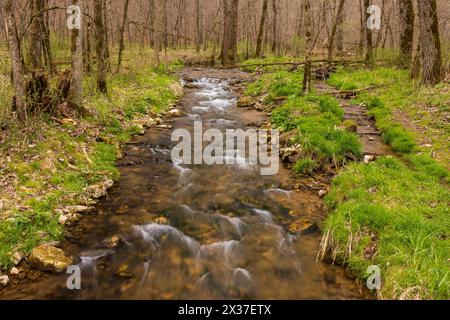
{"x": 391, "y": 209}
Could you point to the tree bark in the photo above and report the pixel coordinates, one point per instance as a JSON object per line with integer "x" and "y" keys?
{"x": 16, "y": 61}
{"x": 430, "y": 47}
{"x": 36, "y": 36}
{"x": 306, "y": 87}
{"x": 340, "y": 32}
{"x": 122, "y": 32}
{"x": 406, "y": 11}
{"x": 229, "y": 43}
{"x": 274, "y": 27}
{"x": 262, "y": 24}
{"x": 100, "y": 46}
{"x": 198, "y": 25}
{"x": 369, "y": 41}
{"x": 76, "y": 83}
{"x": 334, "y": 29}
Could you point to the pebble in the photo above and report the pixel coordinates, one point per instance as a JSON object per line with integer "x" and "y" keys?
{"x": 14, "y": 271}
{"x": 368, "y": 158}
{"x": 322, "y": 193}
{"x": 17, "y": 258}
{"x": 4, "y": 280}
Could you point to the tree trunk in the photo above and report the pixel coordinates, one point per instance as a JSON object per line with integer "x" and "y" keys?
{"x": 406, "y": 11}
{"x": 430, "y": 48}
{"x": 306, "y": 87}
{"x": 369, "y": 43}
{"x": 100, "y": 46}
{"x": 229, "y": 43}
{"x": 274, "y": 27}
{"x": 122, "y": 32}
{"x": 36, "y": 36}
{"x": 199, "y": 25}
{"x": 16, "y": 61}
{"x": 76, "y": 83}
{"x": 262, "y": 24}
{"x": 157, "y": 34}
{"x": 340, "y": 32}
{"x": 334, "y": 29}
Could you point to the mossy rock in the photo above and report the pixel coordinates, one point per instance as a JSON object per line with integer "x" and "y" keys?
{"x": 350, "y": 126}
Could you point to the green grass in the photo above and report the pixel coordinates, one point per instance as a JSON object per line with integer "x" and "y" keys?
{"x": 281, "y": 84}
{"x": 401, "y": 210}
{"x": 394, "y": 212}
{"x": 409, "y": 116}
{"x": 316, "y": 119}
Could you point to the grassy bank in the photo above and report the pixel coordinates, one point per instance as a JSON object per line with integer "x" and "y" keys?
{"x": 47, "y": 164}
{"x": 313, "y": 123}
{"x": 393, "y": 212}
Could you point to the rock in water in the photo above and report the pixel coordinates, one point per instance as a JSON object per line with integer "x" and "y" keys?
{"x": 48, "y": 258}
{"x": 4, "y": 280}
{"x": 303, "y": 226}
{"x": 112, "y": 242}
{"x": 246, "y": 102}
{"x": 174, "y": 113}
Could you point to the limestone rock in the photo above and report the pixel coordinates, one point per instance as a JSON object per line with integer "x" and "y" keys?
{"x": 112, "y": 241}
{"x": 287, "y": 154}
{"x": 78, "y": 209}
{"x": 48, "y": 258}
{"x": 368, "y": 158}
{"x": 174, "y": 113}
{"x": 99, "y": 190}
{"x": 17, "y": 258}
{"x": 4, "y": 280}
{"x": 14, "y": 271}
{"x": 63, "y": 219}
{"x": 246, "y": 102}
{"x": 322, "y": 193}
{"x": 303, "y": 226}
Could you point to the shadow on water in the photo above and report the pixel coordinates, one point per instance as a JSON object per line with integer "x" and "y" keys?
{"x": 226, "y": 236}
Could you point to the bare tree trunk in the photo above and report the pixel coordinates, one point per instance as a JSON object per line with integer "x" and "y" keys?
{"x": 369, "y": 43}
{"x": 430, "y": 46}
{"x": 340, "y": 32}
{"x": 157, "y": 34}
{"x": 16, "y": 61}
{"x": 100, "y": 46}
{"x": 406, "y": 10}
{"x": 274, "y": 27}
{"x": 122, "y": 32}
{"x": 262, "y": 24}
{"x": 362, "y": 30}
{"x": 229, "y": 43}
{"x": 87, "y": 48}
{"x": 45, "y": 32}
{"x": 308, "y": 47}
{"x": 76, "y": 83}
{"x": 36, "y": 36}
{"x": 199, "y": 25}
{"x": 334, "y": 30}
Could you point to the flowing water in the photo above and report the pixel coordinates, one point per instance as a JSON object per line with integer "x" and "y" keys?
{"x": 226, "y": 236}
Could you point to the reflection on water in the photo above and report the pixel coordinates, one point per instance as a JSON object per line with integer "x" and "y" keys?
{"x": 225, "y": 235}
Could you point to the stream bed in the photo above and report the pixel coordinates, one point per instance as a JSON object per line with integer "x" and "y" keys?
{"x": 198, "y": 231}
